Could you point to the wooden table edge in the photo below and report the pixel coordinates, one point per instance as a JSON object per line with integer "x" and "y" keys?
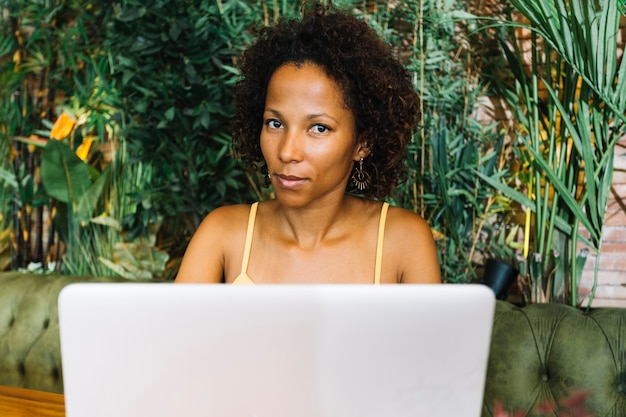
{"x": 22, "y": 402}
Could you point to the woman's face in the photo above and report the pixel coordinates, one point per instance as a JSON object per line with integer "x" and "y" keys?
{"x": 308, "y": 137}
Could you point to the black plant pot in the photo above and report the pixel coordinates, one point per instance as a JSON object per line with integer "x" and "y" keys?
{"x": 499, "y": 276}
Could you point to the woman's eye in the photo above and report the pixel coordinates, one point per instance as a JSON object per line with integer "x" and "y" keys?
{"x": 273, "y": 124}
{"x": 320, "y": 129}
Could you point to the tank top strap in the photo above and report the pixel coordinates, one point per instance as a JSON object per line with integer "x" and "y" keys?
{"x": 249, "y": 234}
{"x": 379, "y": 243}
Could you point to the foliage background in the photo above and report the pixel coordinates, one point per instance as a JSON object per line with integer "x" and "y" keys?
{"x": 150, "y": 83}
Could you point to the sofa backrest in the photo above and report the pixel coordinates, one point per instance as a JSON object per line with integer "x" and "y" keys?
{"x": 30, "y": 355}
{"x": 547, "y": 352}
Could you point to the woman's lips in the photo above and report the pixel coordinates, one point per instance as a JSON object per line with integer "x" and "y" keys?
{"x": 290, "y": 182}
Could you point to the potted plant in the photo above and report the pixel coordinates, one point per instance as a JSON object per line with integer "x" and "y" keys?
{"x": 567, "y": 95}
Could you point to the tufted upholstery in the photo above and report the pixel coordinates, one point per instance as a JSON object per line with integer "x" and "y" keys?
{"x": 29, "y": 330}
{"x": 537, "y": 352}
{"x": 541, "y": 352}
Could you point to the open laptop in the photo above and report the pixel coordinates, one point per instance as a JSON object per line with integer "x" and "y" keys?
{"x": 135, "y": 350}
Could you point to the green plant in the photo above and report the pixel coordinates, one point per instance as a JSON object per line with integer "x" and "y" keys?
{"x": 569, "y": 107}
{"x": 7, "y": 185}
{"x": 152, "y": 81}
{"x": 63, "y": 113}
{"x": 173, "y": 62}
{"x": 167, "y": 140}
{"x": 466, "y": 217}
{"x": 42, "y": 60}
{"x": 92, "y": 202}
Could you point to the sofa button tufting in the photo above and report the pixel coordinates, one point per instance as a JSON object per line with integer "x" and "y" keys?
{"x": 544, "y": 377}
{"x": 55, "y": 374}
{"x": 621, "y": 383}
{"x": 46, "y": 323}
{"x": 21, "y": 369}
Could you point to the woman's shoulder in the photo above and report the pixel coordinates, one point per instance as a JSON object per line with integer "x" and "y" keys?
{"x": 224, "y": 223}
{"x": 405, "y": 226}
{"x": 402, "y": 218}
{"x": 409, "y": 241}
{"x": 228, "y": 215}
{"x": 220, "y": 234}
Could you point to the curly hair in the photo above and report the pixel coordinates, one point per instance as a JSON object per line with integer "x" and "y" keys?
{"x": 375, "y": 86}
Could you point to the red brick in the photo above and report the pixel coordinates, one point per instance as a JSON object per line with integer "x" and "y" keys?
{"x": 619, "y": 161}
{"x": 617, "y": 198}
{"x": 604, "y": 277}
{"x": 615, "y": 216}
{"x": 618, "y": 188}
{"x": 619, "y": 173}
{"x": 617, "y": 194}
{"x": 608, "y": 262}
{"x": 614, "y": 234}
{"x": 607, "y": 291}
{"x": 583, "y": 232}
{"x": 614, "y": 247}
{"x": 604, "y": 302}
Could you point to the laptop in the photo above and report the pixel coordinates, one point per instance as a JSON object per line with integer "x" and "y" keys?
{"x": 161, "y": 350}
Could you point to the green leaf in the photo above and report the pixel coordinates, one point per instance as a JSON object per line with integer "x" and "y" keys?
{"x": 88, "y": 201}
{"x": 64, "y": 175}
{"x": 169, "y": 113}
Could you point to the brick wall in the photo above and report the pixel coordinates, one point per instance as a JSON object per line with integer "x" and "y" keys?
{"x": 611, "y": 288}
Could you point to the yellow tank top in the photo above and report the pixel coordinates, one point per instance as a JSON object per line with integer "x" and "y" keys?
{"x": 243, "y": 277}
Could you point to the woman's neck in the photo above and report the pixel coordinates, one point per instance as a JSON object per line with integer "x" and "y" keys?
{"x": 309, "y": 227}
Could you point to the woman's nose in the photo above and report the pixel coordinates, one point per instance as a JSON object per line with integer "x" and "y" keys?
{"x": 291, "y": 147}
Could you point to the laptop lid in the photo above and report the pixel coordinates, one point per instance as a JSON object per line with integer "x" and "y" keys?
{"x": 275, "y": 350}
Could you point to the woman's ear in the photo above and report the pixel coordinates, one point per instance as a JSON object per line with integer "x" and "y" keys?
{"x": 361, "y": 151}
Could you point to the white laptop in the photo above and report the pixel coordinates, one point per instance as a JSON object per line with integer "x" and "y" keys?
{"x": 157, "y": 350}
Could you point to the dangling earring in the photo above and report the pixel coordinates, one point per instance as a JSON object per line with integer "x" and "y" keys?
{"x": 360, "y": 178}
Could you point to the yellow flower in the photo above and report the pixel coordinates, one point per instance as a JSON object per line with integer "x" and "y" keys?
{"x": 17, "y": 58}
{"x": 83, "y": 150}
{"x": 63, "y": 126}
{"x": 437, "y": 235}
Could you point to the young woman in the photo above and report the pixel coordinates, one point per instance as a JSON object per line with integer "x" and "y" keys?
{"x": 326, "y": 111}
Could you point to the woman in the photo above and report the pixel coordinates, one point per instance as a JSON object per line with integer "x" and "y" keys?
{"x": 326, "y": 111}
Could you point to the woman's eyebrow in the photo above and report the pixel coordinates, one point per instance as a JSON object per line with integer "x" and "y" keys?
{"x": 323, "y": 115}
{"x": 273, "y": 111}
{"x": 308, "y": 117}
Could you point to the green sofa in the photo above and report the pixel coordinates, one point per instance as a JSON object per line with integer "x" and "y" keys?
{"x": 538, "y": 352}
{"x": 30, "y": 355}
{"x": 544, "y": 352}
